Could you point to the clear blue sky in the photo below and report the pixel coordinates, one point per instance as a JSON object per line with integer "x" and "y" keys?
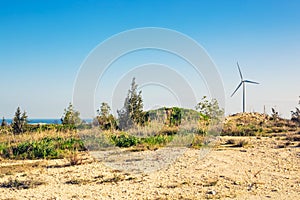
{"x": 43, "y": 43}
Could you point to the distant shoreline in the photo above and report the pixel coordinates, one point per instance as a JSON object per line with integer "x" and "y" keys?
{"x": 44, "y": 121}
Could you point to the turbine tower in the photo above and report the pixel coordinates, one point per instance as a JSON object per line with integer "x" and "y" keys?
{"x": 243, "y": 82}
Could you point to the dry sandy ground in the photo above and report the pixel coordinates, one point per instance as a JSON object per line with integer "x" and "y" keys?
{"x": 259, "y": 170}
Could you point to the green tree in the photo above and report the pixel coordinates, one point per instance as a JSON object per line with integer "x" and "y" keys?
{"x": 209, "y": 109}
{"x": 71, "y": 116}
{"x": 210, "y": 113}
{"x": 19, "y": 122}
{"x": 132, "y": 113}
{"x": 3, "y": 123}
{"x": 174, "y": 116}
{"x": 105, "y": 119}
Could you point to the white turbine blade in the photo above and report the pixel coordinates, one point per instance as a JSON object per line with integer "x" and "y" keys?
{"x": 237, "y": 89}
{"x": 240, "y": 71}
{"x": 247, "y": 81}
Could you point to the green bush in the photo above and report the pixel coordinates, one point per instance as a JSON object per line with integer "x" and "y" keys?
{"x": 4, "y": 150}
{"x": 46, "y": 148}
{"x": 125, "y": 140}
{"x": 157, "y": 140}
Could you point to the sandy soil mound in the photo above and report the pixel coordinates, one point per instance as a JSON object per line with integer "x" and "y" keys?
{"x": 253, "y": 124}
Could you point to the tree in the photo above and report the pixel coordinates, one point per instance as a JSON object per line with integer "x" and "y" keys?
{"x": 132, "y": 113}
{"x": 3, "y": 123}
{"x": 19, "y": 122}
{"x": 174, "y": 116}
{"x": 105, "y": 119}
{"x": 210, "y": 113}
{"x": 71, "y": 116}
{"x": 209, "y": 109}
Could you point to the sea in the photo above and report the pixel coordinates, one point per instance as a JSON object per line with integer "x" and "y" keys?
{"x": 44, "y": 121}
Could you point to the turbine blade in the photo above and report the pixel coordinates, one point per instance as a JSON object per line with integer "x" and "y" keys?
{"x": 247, "y": 81}
{"x": 240, "y": 71}
{"x": 237, "y": 88}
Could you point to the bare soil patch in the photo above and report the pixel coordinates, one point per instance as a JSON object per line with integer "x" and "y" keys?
{"x": 239, "y": 168}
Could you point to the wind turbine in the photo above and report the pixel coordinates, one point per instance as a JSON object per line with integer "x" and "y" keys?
{"x": 243, "y": 82}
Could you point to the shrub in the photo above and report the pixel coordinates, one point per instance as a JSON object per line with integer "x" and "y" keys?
{"x": 125, "y": 140}
{"x": 157, "y": 140}
{"x": 198, "y": 141}
{"x": 46, "y": 148}
{"x": 4, "y": 150}
{"x": 74, "y": 158}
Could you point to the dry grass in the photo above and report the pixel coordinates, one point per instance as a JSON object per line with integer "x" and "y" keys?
{"x": 74, "y": 158}
{"x": 100, "y": 179}
{"x": 21, "y": 184}
{"x": 11, "y": 138}
{"x": 198, "y": 141}
{"x": 236, "y": 142}
{"x": 241, "y": 143}
{"x": 256, "y": 124}
{"x": 19, "y": 168}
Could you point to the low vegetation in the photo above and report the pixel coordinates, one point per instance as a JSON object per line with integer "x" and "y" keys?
{"x": 136, "y": 128}
{"x": 47, "y": 147}
{"x": 256, "y": 124}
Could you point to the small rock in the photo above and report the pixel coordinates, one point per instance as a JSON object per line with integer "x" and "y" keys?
{"x": 212, "y": 192}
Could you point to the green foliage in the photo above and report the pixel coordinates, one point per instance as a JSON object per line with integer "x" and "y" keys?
{"x": 3, "y": 123}
{"x": 210, "y": 109}
{"x": 71, "y": 117}
{"x": 19, "y": 122}
{"x": 132, "y": 112}
{"x": 4, "y": 150}
{"x": 51, "y": 127}
{"x": 209, "y": 114}
{"x": 45, "y": 148}
{"x": 157, "y": 140}
{"x": 105, "y": 119}
{"x": 175, "y": 118}
{"x": 124, "y": 140}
